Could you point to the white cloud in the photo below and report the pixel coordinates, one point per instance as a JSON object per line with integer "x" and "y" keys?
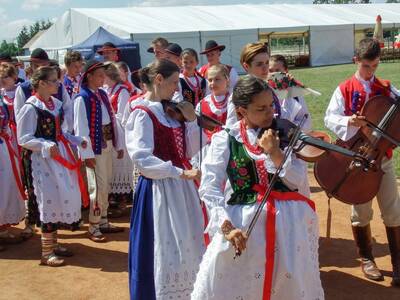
{"x": 10, "y": 30}
{"x": 37, "y": 4}
{"x": 209, "y": 2}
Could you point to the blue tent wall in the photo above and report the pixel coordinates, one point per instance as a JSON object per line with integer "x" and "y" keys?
{"x": 129, "y": 50}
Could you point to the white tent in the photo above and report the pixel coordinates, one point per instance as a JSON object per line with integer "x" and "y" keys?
{"x": 331, "y": 27}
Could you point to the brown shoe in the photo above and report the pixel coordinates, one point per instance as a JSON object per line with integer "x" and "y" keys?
{"x": 52, "y": 261}
{"x": 109, "y": 228}
{"x": 393, "y": 235}
{"x": 96, "y": 235}
{"x": 363, "y": 239}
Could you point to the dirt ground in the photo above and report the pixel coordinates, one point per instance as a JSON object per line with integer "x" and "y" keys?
{"x": 99, "y": 271}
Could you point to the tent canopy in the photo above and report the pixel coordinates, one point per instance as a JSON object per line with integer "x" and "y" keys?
{"x": 234, "y": 25}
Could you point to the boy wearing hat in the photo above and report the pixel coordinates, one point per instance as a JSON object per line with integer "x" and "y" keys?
{"x": 213, "y": 53}
{"x": 109, "y": 52}
{"x": 173, "y": 54}
{"x": 95, "y": 122}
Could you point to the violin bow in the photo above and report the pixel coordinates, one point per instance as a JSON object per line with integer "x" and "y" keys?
{"x": 287, "y": 153}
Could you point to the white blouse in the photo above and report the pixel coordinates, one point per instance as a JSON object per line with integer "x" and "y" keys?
{"x": 139, "y": 136}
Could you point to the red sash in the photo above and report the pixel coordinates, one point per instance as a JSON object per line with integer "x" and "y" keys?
{"x": 270, "y": 229}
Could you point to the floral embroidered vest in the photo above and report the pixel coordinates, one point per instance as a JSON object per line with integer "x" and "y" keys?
{"x": 190, "y": 95}
{"x": 245, "y": 172}
{"x": 48, "y": 126}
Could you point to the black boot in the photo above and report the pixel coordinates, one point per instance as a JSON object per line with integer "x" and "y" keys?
{"x": 393, "y": 235}
{"x": 363, "y": 239}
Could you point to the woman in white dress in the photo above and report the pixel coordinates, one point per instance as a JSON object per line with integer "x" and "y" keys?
{"x": 122, "y": 178}
{"x": 166, "y": 234}
{"x": 280, "y": 259}
{"x": 54, "y": 169}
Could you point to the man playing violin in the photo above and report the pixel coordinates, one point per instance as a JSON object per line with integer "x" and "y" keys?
{"x": 344, "y": 119}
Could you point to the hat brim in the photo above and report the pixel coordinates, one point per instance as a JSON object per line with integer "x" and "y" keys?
{"x": 171, "y": 52}
{"x": 102, "y": 50}
{"x": 219, "y": 47}
{"x": 38, "y": 60}
{"x": 94, "y": 68}
{"x": 150, "y": 50}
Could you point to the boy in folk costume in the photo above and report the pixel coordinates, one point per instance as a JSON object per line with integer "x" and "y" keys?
{"x": 38, "y": 58}
{"x": 343, "y": 119}
{"x": 280, "y": 259}
{"x": 109, "y": 52}
{"x": 213, "y": 54}
{"x": 55, "y": 172}
{"x": 73, "y": 63}
{"x": 96, "y": 123}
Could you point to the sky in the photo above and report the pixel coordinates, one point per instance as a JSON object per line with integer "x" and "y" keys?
{"x": 14, "y": 14}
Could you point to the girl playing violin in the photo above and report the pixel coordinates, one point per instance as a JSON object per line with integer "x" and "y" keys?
{"x": 280, "y": 259}
{"x": 166, "y": 234}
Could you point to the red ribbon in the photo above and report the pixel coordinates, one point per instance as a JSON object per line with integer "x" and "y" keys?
{"x": 14, "y": 155}
{"x": 74, "y": 165}
{"x": 270, "y": 229}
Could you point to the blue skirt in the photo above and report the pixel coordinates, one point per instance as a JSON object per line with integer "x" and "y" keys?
{"x": 141, "y": 243}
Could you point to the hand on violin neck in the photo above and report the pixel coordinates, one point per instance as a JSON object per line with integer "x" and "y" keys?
{"x": 357, "y": 121}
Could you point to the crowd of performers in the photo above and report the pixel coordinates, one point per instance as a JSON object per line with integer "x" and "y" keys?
{"x": 93, "y": 134}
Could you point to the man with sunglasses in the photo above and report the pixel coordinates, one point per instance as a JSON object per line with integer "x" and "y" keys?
{"x": 344, "y": 119}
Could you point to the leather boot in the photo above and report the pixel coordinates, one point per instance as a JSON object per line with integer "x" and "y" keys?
{"x": 363, "y": 239}
{"x": 393, "y": 235}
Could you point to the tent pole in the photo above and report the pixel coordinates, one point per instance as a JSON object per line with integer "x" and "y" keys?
{"x": 131, "y": 36}
{"x": 200, "y": 42}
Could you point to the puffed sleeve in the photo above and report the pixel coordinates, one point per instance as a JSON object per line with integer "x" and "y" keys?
{"x": 81, "y": 128}
{"x": 26, "y": 128}
{"x": 192, "y": 135}
{"x": 231, "y": 117}
{"x": 213, "y": 180}
{"x": 19, "y": 99}
{"x": 68, "y": 108}
{"x": 139, "y": 137}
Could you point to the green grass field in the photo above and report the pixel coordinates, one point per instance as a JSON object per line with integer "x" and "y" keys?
{"x": 326, "y": 79}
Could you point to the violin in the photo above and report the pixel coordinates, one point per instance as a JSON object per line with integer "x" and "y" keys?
{"x": 310, "y": 147}
{"x": 184, "y": 112}
{"x": 351, "y": 182}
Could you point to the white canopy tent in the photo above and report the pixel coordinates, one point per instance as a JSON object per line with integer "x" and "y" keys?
{"x": 331, "y": 27}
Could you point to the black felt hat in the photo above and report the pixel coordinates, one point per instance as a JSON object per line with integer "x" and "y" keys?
{"x": 4, "y": 57}
{"x": 212, "y": 45}
{"x": 108, "y": 46}
{"x": 91, "y": 66}
{"x": 174, "y": 49}
{"x": 39, "y": 55}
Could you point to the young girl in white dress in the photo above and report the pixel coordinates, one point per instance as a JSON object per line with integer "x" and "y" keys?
{"x": 280, "y": 259}
{"x": 54, "y": 168}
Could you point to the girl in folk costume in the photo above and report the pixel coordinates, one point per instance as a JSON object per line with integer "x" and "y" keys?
{"x": 280, "y": 259}
{"x": 192, "y": 86}
{"x": 166, "y": 235}
{"x": 12, "y": 193}
{"x": 213, "y": 53}
{"x": 73, "y": 62}
{"x": 255, "y": 61}
{"x": 125, "y": 74}
{"x": 95, "y": 122}
{"x": 121, "y": 184}
{"x": 55, "y": 172}
{"x": 344, "y": 119}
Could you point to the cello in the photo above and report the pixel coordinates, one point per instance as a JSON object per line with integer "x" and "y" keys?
{"x": 346, "y": 179}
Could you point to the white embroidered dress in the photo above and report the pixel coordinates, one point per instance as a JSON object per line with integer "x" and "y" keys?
{"x": 296, "y": 267}
{"x": 56, "y": 188}
{"x": 178, "y": 220}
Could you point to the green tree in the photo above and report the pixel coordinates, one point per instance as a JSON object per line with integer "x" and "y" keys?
{"x": 392, "y": 1}
{"x": 23, "y": 37}
{"x": 26, "y": 33}
{"x": 9, "y": 48}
